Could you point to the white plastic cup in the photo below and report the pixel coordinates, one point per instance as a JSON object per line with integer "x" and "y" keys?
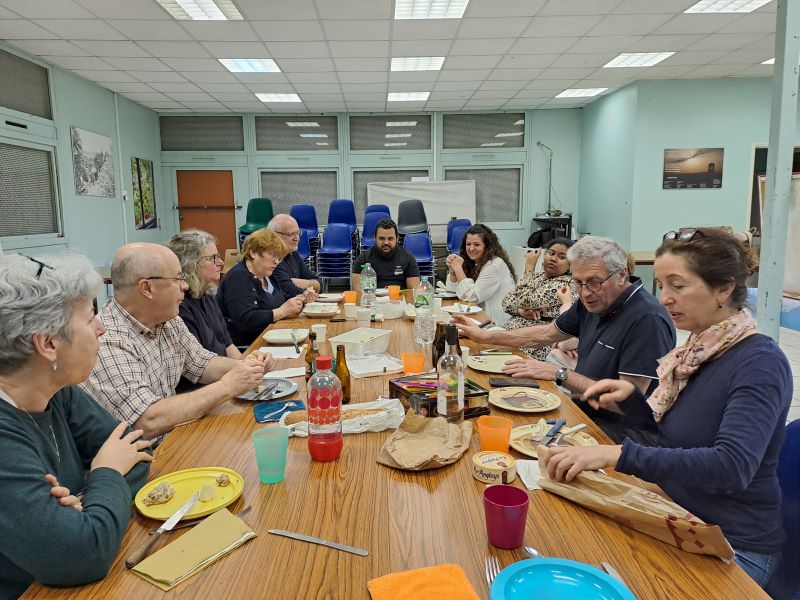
{"x": 320, "y": 329}
{"x": 350, "y": 311}
{"x": 464, "y": 352}
{"x": 363, "y": 316}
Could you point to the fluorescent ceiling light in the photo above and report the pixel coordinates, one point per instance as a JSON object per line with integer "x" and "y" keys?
{"x": 726, "y": 6}
{"x": 637, "y": 59}
{"x": 430, "y": 9}
{"x": 512, "y": 134}
{"x": 769, "y": 61}
{"x": 401, "y": 123}
{"x": 418, "y": 63}
{"x": 323, "y": 144}
{"x": 396, "y": 144}
{"x": 520, "y": 122}
{"x": 581, "y": 93}
{"x": 250, "y": 65}
{"x": 313, "y": 135}
{"x": 278, "y": 97}
{"x": 408, "y": 96}
{"x": 202, "y": 10}
{"x": 398, "y": 135}
{"x": 302, "y": 123}
{"x": 487, "y": 145}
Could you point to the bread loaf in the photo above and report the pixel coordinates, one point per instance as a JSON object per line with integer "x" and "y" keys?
{"x": 298, "y": 416}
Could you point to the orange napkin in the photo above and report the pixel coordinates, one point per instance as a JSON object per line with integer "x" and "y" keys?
{"x": 441, "y": 581}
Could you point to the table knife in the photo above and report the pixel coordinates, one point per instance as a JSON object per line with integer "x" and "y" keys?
{"x": 141, "y": 552}
{"x": 548, "y": 437}
{"x": 314, "y": 540}
{"x": 294, "y": 341}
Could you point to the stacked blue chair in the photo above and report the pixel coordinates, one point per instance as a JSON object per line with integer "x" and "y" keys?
{"x": 419, "y": 245}
{"x": 458, "y": 234}
{"x": 335, "y": 254}
{"x": 378, "y": 208}
{"x": 411, "y": 218}
{"x": 304, "y": 249}
{"x": 306, "y": 218}
{"x": 451, "y": 226}
{"x": 371, "y": 220}
{"x": 344, "y": 211}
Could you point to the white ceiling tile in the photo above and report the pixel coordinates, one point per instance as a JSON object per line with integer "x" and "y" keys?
{"x": 603, "y": 83}
{"x": 369, "y": 106}
{"x": 628, "y": 24}
{"x": 500, "y": 96}
{"x": 685, "y": 57}
{"x": 190, "y": 96}
{"x": 147, "y": 96}
{"x": 578, "y": 7}
{"x": 485, "y": 103}
{"x": 298, "y": 49}
{"x": 752, "y": 23}
{"x": 504, "y": 85}
{"x": 413, "y": 76}
{"x": 696, "y": 23}
{"x": 248, "y": 78}
{"x": 150, "y": 30}
{"x": 460, "y": 95}
{"x": 492, "y": 28}
{"x": 756, "y": 71}
{"x": 232, "y": 97}
{"x": 456, "y": 86}
{"x": 364, "y": 77}
{"x": 270, "y": 88}
{"x": 115, "y": 48}
{"x": 724, "y": 41}
{"x": 550, "y": 84}
{"x": 225, "y": 88}
{"x": 326, "y": 106}
{"x": 50, "y": 47}
{"x": 401, "y": 86}
{"x": 127, "y": 87}
{"x": 162, "y": 105}
{"x": 244, "y": 106}
{"x": 356, "y": 30}
{"x": 552, "y": 73}
{"x": 745, "y": 57}
{"x": 137, "y": 64}
{"x": 568, "y": 61}
{"x": 194, "y": 64}
{"x": 560, "y": 26}
{"x": 359, "y": 49}
{"x": 608, "y": 43}
{"x": 479, "y": 47}
{"x": 276, "y": 10}
{"x": 220, "y": 31}
{"x": 615, "y": 74}
{"x": 663, "y": 72}
{"x": 237, "y": 49}
{"x": 163, "y": 49}
{"x": 80, "y": 29}
{"x": 421, "y": 48}
{"x": 472, "y": 62}
{"x": 361, "y": 64}
{"x": 317, "y": 88}
{"x": 107, "y": 76}
{"x": 151, "y": 76}
{"x": 627, "y": 7}
{"x": 203, "y": 105}
{"x": 288, "y": 31}
{"x": 464, "y": 75}
{"x": 20, "y": 29}
{"x": 528, "y": 94}
{"x": 348, "y": 89}
{"x": 663, "y": 43}
{"x": 545, "y": 45}
{"x": 715, "y": 70}
{"x": 47, "y": 9}
{"x": 354, "y": 9}
{"x": 121, "y": 9}
{"x": 514, "y": 74}
{"x": 7, "y": 14}
{"x": 521, "y": 104}
{"x": 765, "y": 43}
{"x": 170, "y": 87}
{"x": 526, "y": 61}
{"x": 373, "y": 96}
{"x": 91, "y": 63}
{"x": 506, "y": 8}
{"x": 444, "y": 105}
{"x": 329, "y": 77}
{"x": 425, "y": 29}
{"x": 319, "y": 98}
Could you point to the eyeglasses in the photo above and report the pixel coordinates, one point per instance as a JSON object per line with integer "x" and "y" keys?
{"x": 210, "y": 257}
{"x": 593, "y": 285}
{"x": 683, "y": 235}
{"x": 181, "y": 277}
{"x": 293, "y": 234}
{"x": 42, "y": 265}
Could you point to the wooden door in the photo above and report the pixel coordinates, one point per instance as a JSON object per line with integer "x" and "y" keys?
{"x": 205, "y": 201}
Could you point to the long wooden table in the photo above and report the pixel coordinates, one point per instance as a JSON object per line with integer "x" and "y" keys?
{"x": 405, "y": 519}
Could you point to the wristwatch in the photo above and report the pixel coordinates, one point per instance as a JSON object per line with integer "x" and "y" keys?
{"x": 561, "y": 375}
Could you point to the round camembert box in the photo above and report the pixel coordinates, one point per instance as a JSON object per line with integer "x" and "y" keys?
{"x": 494, "y": 467}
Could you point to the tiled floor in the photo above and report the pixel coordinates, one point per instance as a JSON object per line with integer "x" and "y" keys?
{"x": 790, "y": 344}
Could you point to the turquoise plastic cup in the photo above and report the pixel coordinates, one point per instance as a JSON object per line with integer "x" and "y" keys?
{"x": 271, "y": 445}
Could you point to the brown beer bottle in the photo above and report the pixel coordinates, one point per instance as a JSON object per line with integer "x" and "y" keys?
{"x": 311, "y": 355}
{"x": 343, "y": 373}
{"x": 439, "y": 343}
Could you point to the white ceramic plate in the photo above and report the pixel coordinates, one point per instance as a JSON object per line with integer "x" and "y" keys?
{"x": 320, "y": 309}
{"x": 283, "y": 337}
{"x": 462, "y": 309}
{"x": 523, "y": 399}
{"x": 489, "y": 363}
{"x": 329, "y": 298}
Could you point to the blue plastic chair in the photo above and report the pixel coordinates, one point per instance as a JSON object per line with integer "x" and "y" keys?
{"x": 378, "y": 208}
{"x": 335, "y": 255}
{"x": 303, "y": 248}
{"x": 343, "y": 211}
{"x": 419, "y": 245}
{"x": 306, "y": 217}
{"x": 454, "y": 247}
{"x": 371, "y": 220}
{"x": 451, "y": 226}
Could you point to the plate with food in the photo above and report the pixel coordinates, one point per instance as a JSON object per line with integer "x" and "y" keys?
{"x": 320, "y": 309}
{"x": 283, "y": 337}
{"x": 526, "y": 438}
{"x": 334, "y": 298}
{"x": 461, "y": 308}
{"x": 489, "y": 363}
{"x": 279, "y": 387}
{"x": 440, "y": 293}
{"x": 523, "y": 399}
{"x": 218, "y": 487}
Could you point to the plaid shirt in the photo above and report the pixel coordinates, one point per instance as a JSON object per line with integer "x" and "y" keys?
{"x": 137, "y": 366}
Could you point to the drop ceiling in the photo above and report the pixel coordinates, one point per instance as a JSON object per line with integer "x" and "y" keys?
{"x": 336, "y": 54}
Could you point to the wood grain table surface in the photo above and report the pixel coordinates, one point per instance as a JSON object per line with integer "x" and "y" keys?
{"x": 405, "y": 519}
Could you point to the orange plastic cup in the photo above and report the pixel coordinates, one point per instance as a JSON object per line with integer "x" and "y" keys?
{"x": 495, "y": 433}
{"x": 413, "y": 362}
{"x": 349, "y": 297}
{"x": 394, "y": 292}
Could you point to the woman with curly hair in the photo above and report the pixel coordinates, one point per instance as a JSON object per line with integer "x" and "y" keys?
{"x": 481, "y": 272}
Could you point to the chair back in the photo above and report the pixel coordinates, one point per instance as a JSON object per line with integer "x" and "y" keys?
{"x": 259, "y": 211}
{"x": 306, "y": 217}
{"x": 378, "y": 208}
{"x": 451, "y": 225}
{"x": 419, "y": 245}
{"x": 336, "y": 239}
{"x": 303, "y": 247}
{"x": 411, "y": 217}
{"x": 458, "y": 234}
{"x": 342, "y": 211}
{"x": 371, "y": 221}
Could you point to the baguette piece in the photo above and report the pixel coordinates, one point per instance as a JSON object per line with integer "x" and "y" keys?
{"x": 298, "y": 416}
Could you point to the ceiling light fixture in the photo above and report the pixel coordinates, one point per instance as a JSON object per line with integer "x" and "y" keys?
{"x": 202, "y": 10}
{"x": 401, "y": 123}
{"x": 581, "y": 93}
{"x": 430, "y": 9}
{"x": 408, "y": 96}
{"x": 302, "y": 123}
{"x": 278, "y": 97}
{"x": 637, "y": 59}
{"x": 398, "y": 135}
{"x": 726, "y": 6}
{"x": 313, "y": 135}
{"x": 396, "y": 144}
{"x": 418, "y": 63}
{"x": 250, "y": 65}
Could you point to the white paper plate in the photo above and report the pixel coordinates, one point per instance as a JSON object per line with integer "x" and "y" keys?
{"x": 461, "y": 309}
{"x": 320, "y": 309}
{"x": 283, "y": 337}
{"x": 329, "y": 298}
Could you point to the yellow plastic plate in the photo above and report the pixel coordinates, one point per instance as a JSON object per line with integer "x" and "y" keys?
{"x": 186, "y": 483}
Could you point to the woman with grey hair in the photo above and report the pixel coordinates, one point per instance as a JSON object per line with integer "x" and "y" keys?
{"x": 200, "y": 260}
{"x": 53, "y": 437}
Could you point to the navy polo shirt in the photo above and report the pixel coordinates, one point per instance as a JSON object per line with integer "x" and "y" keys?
{"x": 627, "y": 339}
{"x": 390, "y": 270}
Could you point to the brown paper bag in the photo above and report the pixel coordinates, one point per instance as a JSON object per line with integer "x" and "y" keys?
{"x": 641, "y": 510}
{"x": 422, "y": 443}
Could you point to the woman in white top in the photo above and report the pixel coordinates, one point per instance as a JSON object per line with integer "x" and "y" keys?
{"x": 481, "y": 272}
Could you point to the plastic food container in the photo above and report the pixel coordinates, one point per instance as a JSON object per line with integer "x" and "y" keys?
{"x": 362, "y": 340}
{"x": 494, "y": 467}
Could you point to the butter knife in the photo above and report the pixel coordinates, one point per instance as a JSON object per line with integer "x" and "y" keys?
{"x": 548, "y": 437}
{"x": 294, "y": 341}
{"x": 321, "y": 542}
{"x": 141, "y": 552}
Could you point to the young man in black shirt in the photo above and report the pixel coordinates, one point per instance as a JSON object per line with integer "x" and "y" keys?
{"x": 392, "y": 264}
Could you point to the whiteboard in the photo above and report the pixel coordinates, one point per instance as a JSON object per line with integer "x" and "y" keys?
{"x": 442, "y": 200}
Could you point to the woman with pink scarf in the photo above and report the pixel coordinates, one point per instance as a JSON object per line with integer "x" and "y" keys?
{"x": 719, "y": 412}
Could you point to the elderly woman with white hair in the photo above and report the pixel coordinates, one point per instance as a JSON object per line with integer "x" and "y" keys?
{"x": 53, "y": 437}
{"x": 202, "y": 264}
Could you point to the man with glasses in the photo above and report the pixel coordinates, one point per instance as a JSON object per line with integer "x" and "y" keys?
{"x": 147, "y": 348}
{"x": 293, "y": 274}
{"x": 622, "y": 330}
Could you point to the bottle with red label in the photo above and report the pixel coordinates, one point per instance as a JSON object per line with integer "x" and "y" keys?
{"x": 324, "y": 405}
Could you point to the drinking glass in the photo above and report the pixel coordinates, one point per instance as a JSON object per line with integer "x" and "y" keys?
{"x": 424, "y": 329}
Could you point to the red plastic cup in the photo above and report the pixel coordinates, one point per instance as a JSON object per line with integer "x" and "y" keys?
{"x": 506, "y": 509}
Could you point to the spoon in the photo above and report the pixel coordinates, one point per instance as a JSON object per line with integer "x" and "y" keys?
{"x": 532, "y": 552}
{"x": 275, "y": 412}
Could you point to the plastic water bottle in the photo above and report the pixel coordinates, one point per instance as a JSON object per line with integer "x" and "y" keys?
{"x": 324, "y": 413}
{"x": 423, "y": 294}
{"x": 369, "y": 281}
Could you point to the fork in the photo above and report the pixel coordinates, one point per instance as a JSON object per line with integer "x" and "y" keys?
{"x": 492, "y": 569}
{"x": 264, "y": 394}
{"x": 294, "y": 341}
{"x": 275, "y": 412}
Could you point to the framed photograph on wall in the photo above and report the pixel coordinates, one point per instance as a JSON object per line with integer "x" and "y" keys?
{"x": 692, "y": 168}
{"x": 144, "y": 195}
{"x": 92, "y": 163}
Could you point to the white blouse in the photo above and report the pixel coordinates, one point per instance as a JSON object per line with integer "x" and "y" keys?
{"x": 493, "y": 283}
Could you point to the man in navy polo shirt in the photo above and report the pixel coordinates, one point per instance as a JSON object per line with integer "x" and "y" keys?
{"x": 622, "y": 330}
{"x": 392, "y": 264}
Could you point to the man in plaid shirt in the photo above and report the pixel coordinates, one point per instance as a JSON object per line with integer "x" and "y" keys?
{"x": 147, "y": 348}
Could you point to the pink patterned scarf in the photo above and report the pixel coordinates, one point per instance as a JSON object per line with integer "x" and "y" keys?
{"x": 675, "y": 369}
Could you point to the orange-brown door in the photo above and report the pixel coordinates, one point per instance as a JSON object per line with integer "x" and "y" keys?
{"x": 205, "y": 201}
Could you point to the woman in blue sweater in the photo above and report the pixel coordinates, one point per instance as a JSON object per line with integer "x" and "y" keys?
{"x": 720, "y": 407}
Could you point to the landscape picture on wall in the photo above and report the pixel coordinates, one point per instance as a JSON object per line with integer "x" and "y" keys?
{"x": 692, "y": 168}
{"x": 92, "y": 163}
{"x": 144, "y": 197}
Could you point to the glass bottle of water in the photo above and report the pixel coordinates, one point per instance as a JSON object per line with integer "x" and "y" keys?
{"x": 369, "y": 281}
{"x": 450, "y": 389}
{"x": 423, "y": 294}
